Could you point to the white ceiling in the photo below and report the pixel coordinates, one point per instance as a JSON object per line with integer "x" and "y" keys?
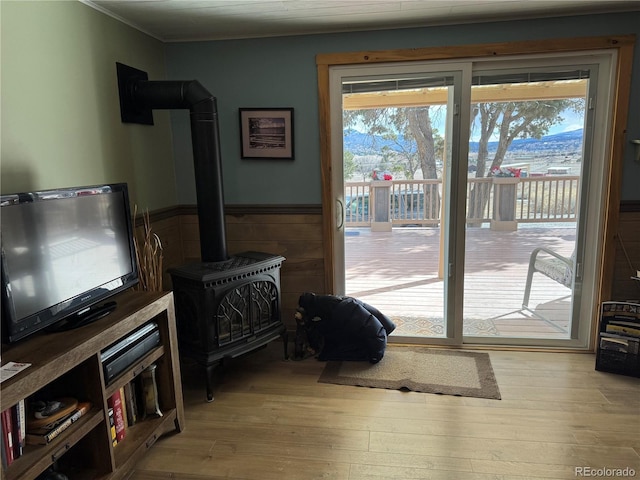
{"x": 189, "y": 20}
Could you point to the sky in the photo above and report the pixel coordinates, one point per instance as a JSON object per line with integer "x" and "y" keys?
{"x": 572, "y": 121}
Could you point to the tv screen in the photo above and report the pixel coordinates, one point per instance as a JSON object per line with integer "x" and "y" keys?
{"x": 63, "y": 252}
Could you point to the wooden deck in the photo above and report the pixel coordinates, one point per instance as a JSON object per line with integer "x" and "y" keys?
{"x": 397, "y": 272}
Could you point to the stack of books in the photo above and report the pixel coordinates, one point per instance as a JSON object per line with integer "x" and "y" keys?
{"x": 12, "y": 432}
{"x": 43, "y": 428}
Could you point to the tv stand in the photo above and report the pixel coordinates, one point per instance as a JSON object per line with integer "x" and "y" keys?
{"x": 83, "y": 318}
{"x": 64, "y": 365}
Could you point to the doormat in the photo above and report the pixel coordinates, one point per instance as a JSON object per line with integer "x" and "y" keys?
{"x": 434, "y": 326}
{"x": 420, "y": 369}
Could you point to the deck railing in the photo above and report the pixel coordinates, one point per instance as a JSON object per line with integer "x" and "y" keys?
{"x": 498, "y": 200}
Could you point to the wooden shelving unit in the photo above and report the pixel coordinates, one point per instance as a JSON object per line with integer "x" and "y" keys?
{"x": 67, "y": 364}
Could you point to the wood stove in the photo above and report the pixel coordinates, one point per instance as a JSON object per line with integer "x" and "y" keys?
{"x": 225, "y": 306}
{"x": 226, "y": 309}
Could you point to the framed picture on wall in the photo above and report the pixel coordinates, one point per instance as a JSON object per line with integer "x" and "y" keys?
{"x": 266, "y": 133}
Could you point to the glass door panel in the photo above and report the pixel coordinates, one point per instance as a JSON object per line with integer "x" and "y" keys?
{"x": 397, "y": 148}
{"x": 527, "y": 160}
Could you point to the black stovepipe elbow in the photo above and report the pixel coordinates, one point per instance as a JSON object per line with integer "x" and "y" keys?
{"x": 207, "y": 157}
{"x": 168, "y": 94}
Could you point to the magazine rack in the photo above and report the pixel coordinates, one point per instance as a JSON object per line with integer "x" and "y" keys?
{"x": 619, "y": 338}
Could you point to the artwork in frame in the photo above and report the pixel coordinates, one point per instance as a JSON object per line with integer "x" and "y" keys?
{"x": 266, "y": 133}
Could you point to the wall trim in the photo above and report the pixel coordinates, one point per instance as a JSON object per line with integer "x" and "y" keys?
{"x": 234, "y": 210}
{"x": 628, "y": 206}
{"x": 310, "y": 209}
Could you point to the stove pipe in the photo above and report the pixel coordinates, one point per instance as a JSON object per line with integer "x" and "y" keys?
{"x": 140, "y": 95}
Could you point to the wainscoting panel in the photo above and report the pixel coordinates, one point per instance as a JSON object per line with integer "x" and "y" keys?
{"x": 295, "y": 232}
{"x": 295, "y": 236}
{"x": 627, "y": 255}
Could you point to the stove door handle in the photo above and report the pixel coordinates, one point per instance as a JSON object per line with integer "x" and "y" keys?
{"x": 341, "y": 209}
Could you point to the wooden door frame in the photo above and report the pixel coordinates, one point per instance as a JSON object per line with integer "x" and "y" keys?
{"x": 622, "y": 44}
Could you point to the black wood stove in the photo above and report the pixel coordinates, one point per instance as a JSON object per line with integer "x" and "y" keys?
{"x": 227, "y": 309}
{"x": 225, "y": 306}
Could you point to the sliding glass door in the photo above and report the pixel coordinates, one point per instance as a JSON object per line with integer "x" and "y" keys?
{"x": 476, "y": 236}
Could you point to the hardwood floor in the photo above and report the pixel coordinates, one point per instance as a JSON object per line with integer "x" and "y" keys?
{"x": 271, "y": 419}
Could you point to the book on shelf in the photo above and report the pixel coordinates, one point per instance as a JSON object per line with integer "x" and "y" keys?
{"x": 112, "y": 427}
{"x": 37, "y": 437}
{"x": 20, "y": 427}
{"x": 150, "y": 399}
{"x": 7, "y": 436}
{"x": 124, "y": 408}
{"x": 115, "y": 402}
{"x": 3, "y": 453}
{"x": 130, "y": 401}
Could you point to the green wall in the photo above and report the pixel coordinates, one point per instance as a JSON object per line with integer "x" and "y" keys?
{"x": 281, "y": 72}
{"x": 60, "y": 110}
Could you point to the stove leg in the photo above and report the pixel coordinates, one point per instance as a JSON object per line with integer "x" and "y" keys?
{"x": 209, "y": 374}
{"x": 285, "y": 341}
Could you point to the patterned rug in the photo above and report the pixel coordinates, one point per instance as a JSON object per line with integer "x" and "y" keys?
{"x": 434, "y": 326}
{"x": 420, "y": 369}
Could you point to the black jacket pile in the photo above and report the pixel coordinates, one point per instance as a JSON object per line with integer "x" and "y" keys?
{"x": 345, "y": 328}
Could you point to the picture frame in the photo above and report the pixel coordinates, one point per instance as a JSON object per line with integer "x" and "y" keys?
{"x": 266, "y": 133}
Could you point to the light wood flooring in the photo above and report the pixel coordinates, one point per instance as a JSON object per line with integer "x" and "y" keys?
{"x": 272, "y": 420}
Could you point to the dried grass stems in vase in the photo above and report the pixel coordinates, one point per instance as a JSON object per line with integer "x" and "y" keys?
{"x": 148, "y": 255}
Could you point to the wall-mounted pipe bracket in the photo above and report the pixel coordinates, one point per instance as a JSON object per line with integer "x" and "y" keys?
{"x": 130, "y": 111}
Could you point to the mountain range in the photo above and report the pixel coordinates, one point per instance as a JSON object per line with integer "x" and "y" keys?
{"x": 360, "y": 143}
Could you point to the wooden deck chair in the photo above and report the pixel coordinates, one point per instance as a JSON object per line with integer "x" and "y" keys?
{"x": 552, "y": 265}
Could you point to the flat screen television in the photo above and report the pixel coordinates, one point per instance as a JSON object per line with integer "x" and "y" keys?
{"x": 64, "y": 252}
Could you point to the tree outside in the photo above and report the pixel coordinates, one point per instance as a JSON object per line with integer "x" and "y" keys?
{"x": 407, "y": 143}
